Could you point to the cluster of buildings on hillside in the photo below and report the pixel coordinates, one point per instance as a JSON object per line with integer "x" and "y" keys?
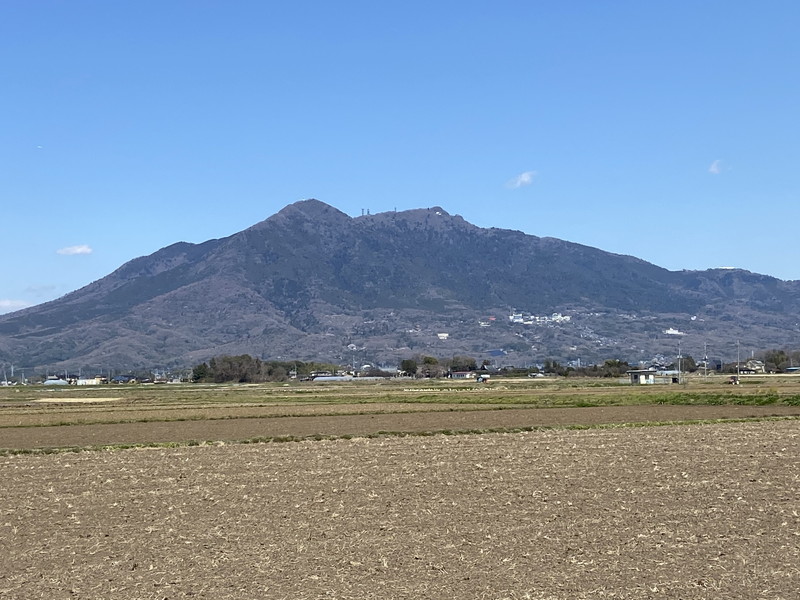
{"x": 673, "y": 331}
{"x": 531, "y": 319}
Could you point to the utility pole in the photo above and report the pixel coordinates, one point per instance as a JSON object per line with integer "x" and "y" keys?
{"x": 737, "y": 358}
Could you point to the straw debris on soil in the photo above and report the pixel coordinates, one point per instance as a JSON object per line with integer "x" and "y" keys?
{"x": 707, "y": 511}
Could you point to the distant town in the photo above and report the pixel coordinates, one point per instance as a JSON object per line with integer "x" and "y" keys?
{"x": 249, "y": 369}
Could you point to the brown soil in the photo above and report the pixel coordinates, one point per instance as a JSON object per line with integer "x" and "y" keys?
{"x": 56, "y": 415}
{"x": 690, "y": 512}
{"x": 233, "y": 429}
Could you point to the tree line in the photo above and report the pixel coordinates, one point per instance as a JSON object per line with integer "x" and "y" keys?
{"x": 247, "y": 369}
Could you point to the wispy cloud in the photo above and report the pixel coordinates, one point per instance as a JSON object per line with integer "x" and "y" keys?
{"x": 522, "y": 179}
{"x": 72, "y": 250}
{"x": 41, "y": 290}
{"x": 7, "y": 306}
{"x": 716, "y": 167}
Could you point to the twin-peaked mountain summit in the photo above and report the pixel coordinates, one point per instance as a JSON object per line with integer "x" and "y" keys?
{"x": 310, "y": 282}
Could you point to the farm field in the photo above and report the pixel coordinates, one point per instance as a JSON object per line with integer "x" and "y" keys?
{"x": 701, "y": 511}
{"x": 43, "y": 419}
{"x": 583, "y": 504}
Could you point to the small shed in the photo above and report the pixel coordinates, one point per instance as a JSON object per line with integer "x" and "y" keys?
{"x": 462, "y": 375}
{"x": 642, "y": 376}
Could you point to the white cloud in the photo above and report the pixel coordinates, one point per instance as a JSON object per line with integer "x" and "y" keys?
{"x": 522, "y": 179}
{"x": 72, "y": 250}
{"x": 40, "y": 290}
{"x": 716, "y": 167}
{"x": 7, "y": 306}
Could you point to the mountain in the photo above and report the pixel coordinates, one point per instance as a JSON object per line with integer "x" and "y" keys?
{"x": 310, "y": 282}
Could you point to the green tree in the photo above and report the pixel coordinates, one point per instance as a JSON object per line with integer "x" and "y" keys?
{"x": 775, "y": 360}
{"x": 614, "y": 368}
{"x": 554, "y": 367}
{"x": 463, "y": 363}
{"x": 200, "y": 373}
{"x": 428, "y": 366}
{"x": 409, "y": 366}
{"x": 688, "y": 364}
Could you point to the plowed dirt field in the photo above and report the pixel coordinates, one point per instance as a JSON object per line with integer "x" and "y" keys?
{"x": 317, "y": 421}
{"x": 374, "y": 503}
{"x": 691, "y": 511}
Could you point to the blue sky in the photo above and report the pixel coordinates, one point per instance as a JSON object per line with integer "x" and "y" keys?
{"x": 664, "y": 130}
